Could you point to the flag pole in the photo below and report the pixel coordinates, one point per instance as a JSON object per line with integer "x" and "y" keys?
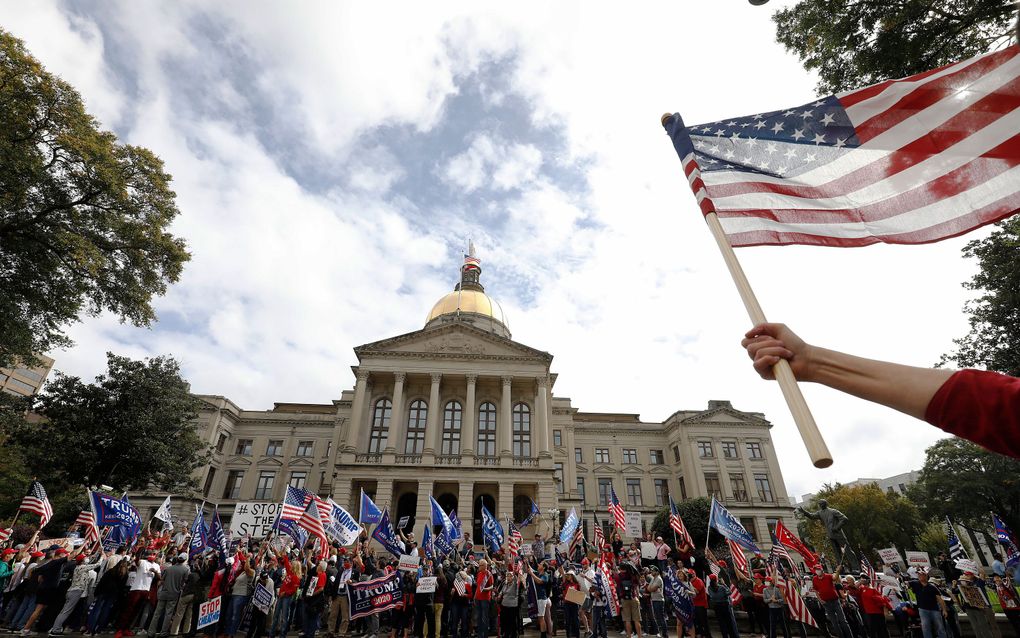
{"x": 816, "y": 447}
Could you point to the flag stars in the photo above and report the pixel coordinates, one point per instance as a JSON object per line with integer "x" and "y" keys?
{"x": 807, "y": 114}
{"x": 706, "y": 129}
{"x": 720, "y": 133}
{"x": 798, "y": 135}
{"x": 745, "y": 124}
{"x": 771, "y": 148}
{"x": 828, "y": 119}
{"x": 731, "y": 123}
{"x": 735, "y": 136}
{"x": 759, "y": 125}
{"x": 819, "y": 139}
{"x": 752, "y": 142}
{"x": 729, "y": 154}
{"x": 790, "y": 154}
{"x": 840, "y": 142}
{"x": 789, "y": 113}
{"x": 810, "y": 157}
{"x": 819, "y": 103}
{"x": 763, "y": 165}
{"x": 778, "y": 127}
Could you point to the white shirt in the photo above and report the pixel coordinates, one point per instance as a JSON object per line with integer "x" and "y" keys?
{"x": 143, "y": 575}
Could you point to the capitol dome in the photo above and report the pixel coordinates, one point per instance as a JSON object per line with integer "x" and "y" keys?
{"x": 469, "y": 303}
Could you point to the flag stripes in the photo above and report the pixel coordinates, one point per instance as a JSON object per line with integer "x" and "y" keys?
{"x": 616, "y": 510}
{"x": 36, "y": 502}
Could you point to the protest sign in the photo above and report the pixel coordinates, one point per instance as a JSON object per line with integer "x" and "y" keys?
{"x": 527, "y": 549}
{"x": 648, "y": 550}
{"x": 262, "y": 598}
{"x": 254, "y": 518}
{"x": 402, "y": 523}
{"x": 209, "y": 612}
{"x": 408, "y": 563}
{"x": 918, "y": 559}
{"x": 967, "y": 565}
{"x": 633, "y": 527}
{"x": 426, "y": 585}
{"x": 374, "y": 596}
{"x": 890, "y": 555}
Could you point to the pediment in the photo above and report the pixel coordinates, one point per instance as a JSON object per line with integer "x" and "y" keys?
{"x": 455, "y": 341}
{"x": 300, "y": 462}
{"x": 724, "y": 416}
{"x": 604, "y": 468}
{"x": 632, "y": 469}
{"x": 659, "y": 469}
{"x": 270, "y": 461}
{"x": 580, "y": 468}
{"x": 239, "y": 460}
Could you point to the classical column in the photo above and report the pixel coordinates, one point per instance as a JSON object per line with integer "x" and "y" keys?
{"x": 542, "y": 419}
{"x": 505, "y": 504}
{"x": 505, "y": 425}
{"x": 397, "y": 415}
{"x": 466, "y": 507}
{"x": 433, "y": 429}
{"x": 423, "y": 513}
{"x": 384, "y": 495}
{"x": 356, "y": 423}
{"x": 467, "y": 426}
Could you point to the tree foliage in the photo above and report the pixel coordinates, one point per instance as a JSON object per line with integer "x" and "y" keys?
{"x": 694, "y": 513}
{"x": 132, "y": 429}
{"x": 83, "y": 218}
{"x": 854, "y": 43}
{"x": 966, "y": 481}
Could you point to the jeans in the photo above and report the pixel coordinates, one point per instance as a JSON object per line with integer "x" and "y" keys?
{"x": 24, "y": 610}
{"x": 837, "y": 620}
{"x": 931, "y": 623}
{"x": 233, "y": 619}
{"x": 282, "y": 618}
{"x": 481, "y": 618}
{"x": 424, "y": 614}
{"x": 310, "y": 619}
{"x": 99, "y": 615}
{"x": 777, "y": 618}
{"x": 658, "y": 613}
{"x": 727, "y": 622}
{"x": 460, "y": 619}
{"x": 571, "y": 619}
{"x": 598, "y": 621}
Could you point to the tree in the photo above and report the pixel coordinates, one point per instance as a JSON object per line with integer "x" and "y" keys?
{"x": 133, "y": 429}
{"x": 694, "y": 513}
{"x": 966, "y": 481}
{"x": 853, "y": 43}
{"x": 83, "y": 218}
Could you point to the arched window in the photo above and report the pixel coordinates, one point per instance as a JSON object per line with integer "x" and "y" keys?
{"x": 522, "y": 430}
{"x": 380, "y": 426}
{"x": 452, "y": 416}
{"x": 416, "y": 417}
{"x": 487, "y": 429}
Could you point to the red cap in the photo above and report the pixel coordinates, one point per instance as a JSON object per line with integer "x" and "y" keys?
{"x": 62, "y": 552}
{"x": 37, "y": 554}
{"x": 713, "y": 577}
{"x": 722, "y": 563}
{"x": 343, "y": 550}
{"x": 9, "y": 551}
{"x": 80, "y": 558}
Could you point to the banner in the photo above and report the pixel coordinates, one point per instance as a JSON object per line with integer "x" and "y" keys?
{"x": 967, "y": 565}
{"x": 209, "y": 612}
{"x": 680, "y": 596}
{"x": 569, "y": 526}
{"x": 633, "y": 527}
{"x": 439, "y": 517}
{"x": 649, "y": 550}
{"x": 368, "y": 511}
{"x": 163, "y": 514}
{"x": 918, "y": 559}
{"x": 262, "y": 598}
{"x": 114, "y": 512}
{"x": 199, "y": 536}
{"x": 890, "y": 555}
{"x": 374, "y": 596}
{"x": 458, "y": 529}
{"x": 342, "y": 527}
{"x": 254, "y": 518}
{"x": 402, "y": 523}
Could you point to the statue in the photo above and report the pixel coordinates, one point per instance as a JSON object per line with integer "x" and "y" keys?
{"x": 833, "y": 520}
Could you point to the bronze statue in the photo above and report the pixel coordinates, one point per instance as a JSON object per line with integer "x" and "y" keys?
{"x": 833, "y": 520}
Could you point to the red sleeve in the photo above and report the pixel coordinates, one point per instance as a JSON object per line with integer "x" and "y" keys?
{"x": 983, "y": 407}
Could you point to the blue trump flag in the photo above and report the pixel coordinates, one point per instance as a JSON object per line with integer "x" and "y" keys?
{"x": 369, "y": 512}
{"x": 1005, "y": 537}
{"x": 443, "y": 544}
{"x": 290, "y": 528}
{"x": 218, "y": 537}
{"x": 680, "y": 596}
{"x": 427, "y": 542}
{"x": 458, "y": 529}
{"x": 569, "y": 526}
{"x": 439, "y": 517}
{"x": 199, "y": 538}
{"x": 116, "y": 513}
{"x": 387, "y": 537}
{"x": 531, "y": 515}
{"x": 492, "y": 531}
{"x": 723, "y": 522}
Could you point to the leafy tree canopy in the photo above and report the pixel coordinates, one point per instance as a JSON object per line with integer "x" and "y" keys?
{"x": 854, "y": 43}
{"x": 83, "y": 218}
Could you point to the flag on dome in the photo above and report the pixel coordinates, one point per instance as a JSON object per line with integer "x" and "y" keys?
{"x": 616, "y": 510}
{"x": 907, "y": 161}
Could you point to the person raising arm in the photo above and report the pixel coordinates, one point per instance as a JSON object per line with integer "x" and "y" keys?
{"x": 983, "y": 407}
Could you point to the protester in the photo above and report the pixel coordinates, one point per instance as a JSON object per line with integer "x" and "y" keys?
{"x": 824, "y": 585}
{"x": 775, "y": 598}
{"x": 79, "y": 585}
{"x": 930, "y": 606}
{"x": 47, "y": 575}
{"x": 719, "y": 600}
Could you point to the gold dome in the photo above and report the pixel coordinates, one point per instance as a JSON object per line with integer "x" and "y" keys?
{"x": 471, "y": 301}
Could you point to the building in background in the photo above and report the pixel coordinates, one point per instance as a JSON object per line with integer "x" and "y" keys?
{"x": 460, "y": 411}
{"x": 894, "y": 484}
{"x": 25, "y": 381}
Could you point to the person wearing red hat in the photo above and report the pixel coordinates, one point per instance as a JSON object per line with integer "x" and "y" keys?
{"x": 48, "y": 577}
{"x": 79, "y": 583}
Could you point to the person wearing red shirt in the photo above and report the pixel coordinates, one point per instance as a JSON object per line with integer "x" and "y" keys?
{"x": 983, "y": 407}
{"x": 700, "y": 605}
{"x": 482, "y": 596}
{"x": 285, "y": 598}
{"x": 825, "y": 586}
{"x": 874, "y": 605}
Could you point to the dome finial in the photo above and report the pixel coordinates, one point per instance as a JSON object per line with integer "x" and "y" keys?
{"x": 471, "y": 271}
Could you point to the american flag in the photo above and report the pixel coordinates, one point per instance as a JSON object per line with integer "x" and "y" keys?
{"x": 739, "y": 560}
{"x": 735, "y": 596}
{"x": 616, "y": 510}
{"x": 798, "y": 610}
{"x": 867, "y": 571}
{"x": 956, "y": 550}
{"x": 779, "y": 551}
{"x": 713, "y": 562}
{"x": 677, "y": 523}
{"x": 312, "y": 523}
{"x": 88, "y": 521}
{"x": 296, "y": 501}
{"x": 598, "y": 535}
{"x": 514, "y": 540}
{"x": 577, "y": 541}
{"x": 905, "y": 161}
{"x": 5, "y": 533}
{"x": 36, "y": 502}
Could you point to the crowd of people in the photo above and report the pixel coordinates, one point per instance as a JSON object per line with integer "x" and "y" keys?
{"x": 155, "y": 589}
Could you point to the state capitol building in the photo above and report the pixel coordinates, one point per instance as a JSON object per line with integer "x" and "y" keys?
{"x": 461, "y": 411}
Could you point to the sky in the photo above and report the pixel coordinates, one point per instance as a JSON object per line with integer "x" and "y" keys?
{"x": 331, "y": 161}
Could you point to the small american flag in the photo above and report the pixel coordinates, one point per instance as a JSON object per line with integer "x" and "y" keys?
{"x": 5, "y": 533}
{"x": 514, "y": 540}
{"x": 36, "y": 502}
{"x": 735, "y": 596}
{"x": 296, "y": 501}
{"x": 577, "y": 542}
{"x": 616, "y": 510}
{"x": 906, "y": 161}
{"x": 739, "y": 560}
{"x": 598, "y": 535}
{"x": 713, "y": 562}
{"x": 867, "y": 571}
{"x": 677, "y": 524}
{"x": 460, "y": 586}
{"x": 779, "y": 551}
{"x": 798, "y": 610}
{"x": 312, "y": 523}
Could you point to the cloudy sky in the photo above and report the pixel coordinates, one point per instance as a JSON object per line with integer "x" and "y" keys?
{"x": 331, "y": 161}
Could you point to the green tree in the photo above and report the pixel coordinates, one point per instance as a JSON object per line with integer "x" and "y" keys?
{"x": 694, "y": 513}
{"x": 853, "y": 43}
{"x": 133, "y": 429}
{"x": 14, "y": 475}
{"x": 83, "y": 218}
{"x": 966, "y": 481}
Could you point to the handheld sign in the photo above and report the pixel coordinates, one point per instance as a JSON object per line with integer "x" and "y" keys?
{"x": 255, "y": 519}
{"x": 402, "y": 523}
{"x": 426, "y": 585}
{"x": 262, "y": 598}
{"x": 209, "y": 612}
{"x": 918, "y": 559}
{"x": 408, "y": 563}
{"x": 890, "y": 555}
{"x": 633, "y": 527}
{"x": 648, "y": 550}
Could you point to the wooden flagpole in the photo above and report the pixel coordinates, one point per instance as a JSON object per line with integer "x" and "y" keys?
{"x": 816, "y": 447}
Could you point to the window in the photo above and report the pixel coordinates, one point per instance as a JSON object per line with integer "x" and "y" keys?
{"x": 329, "y": 448}
{"x": 661, "y": 492}
{"x": 602, "y": 455}
{"x": 487, "y": 429}
{"x": 739, "y": 487}
{"x": 655, "y": 457}
{"x": 729, "y": 449}
{"x": 209, "y": 481}
{"x": 233, "y": 486}
{"x": 705, "y": 449}
{"x": 305, "y": 448}
{"x": 558, "y": 476}
{"x": 751, "y": 526}
{"x": 416, "y": 417}
{"x": 522, "y": 431}
{"x": 221, "y": 442}
{"x": 243, "y": 447}
{"x": 580, "y": 490}
{"x": 453, "y": 415}
{"x": 20, "y": 386}
{"x": 754, "y": 450}
{"x": 771, "y": 523}
{"x": 274, "y": 448}
{"x": 578, "y": 455}
{"x": 558, "y": 438}
{"x": 683, "y": 489}
{"x": 381, "y": 413}
{"x": 28, "y": 374}
{"x": 712, "y": 485}
{"x": 761, "y": 483}
{"x": 324, "y": 489}
{"x": 264, "y": 489}
{"x": 605, "y": 489}
{"x": 298, "y": 480}
{"x": 629, "y": 456}
{"x": 634, "y": 492}
{"x": 676, "y": 453}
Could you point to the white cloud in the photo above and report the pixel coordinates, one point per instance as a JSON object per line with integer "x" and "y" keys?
{"x": 493, "y": 164}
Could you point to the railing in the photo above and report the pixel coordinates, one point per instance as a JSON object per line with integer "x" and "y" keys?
{"x": 368, "y": 458}
{"x": 448, "y": 459}
{"x": 487, "y": 460}
{"x": 409, "y": 458}
{"x": 521, "y": 461}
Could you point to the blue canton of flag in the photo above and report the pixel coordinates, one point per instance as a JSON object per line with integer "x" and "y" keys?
{"x": 290, "y": 528}
{"x": 569, "y": 526}
{"x": 387, "y": 537}
{"x": 1006, "y": 538}
{"x": 723, "y": 522}
{"x": 199, "y": 537}
{"x": 492, "y": 531}
{"x": 369, "y": 512}
{"x": 956, "y": 549}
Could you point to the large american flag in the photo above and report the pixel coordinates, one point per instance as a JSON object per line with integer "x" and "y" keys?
{"x": 779, "y": 551}
{"x": 798, "y": 610}
{"x": 677, "y": 523}
{"x": 88, "y": 522}
{"x": 36, "y": 502}
{"x": 577, "y": 541}
{"x": 312, "y": 523}
{"x": 514, "y": 540}
{"x": 616, "y": 510}
{"x": 296, "y": 501}
{"x": 598, "y": 536}
{"x": 905, "y": 161}
{"x": 867, "y": 571}
{"x": 740, "y": 564}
